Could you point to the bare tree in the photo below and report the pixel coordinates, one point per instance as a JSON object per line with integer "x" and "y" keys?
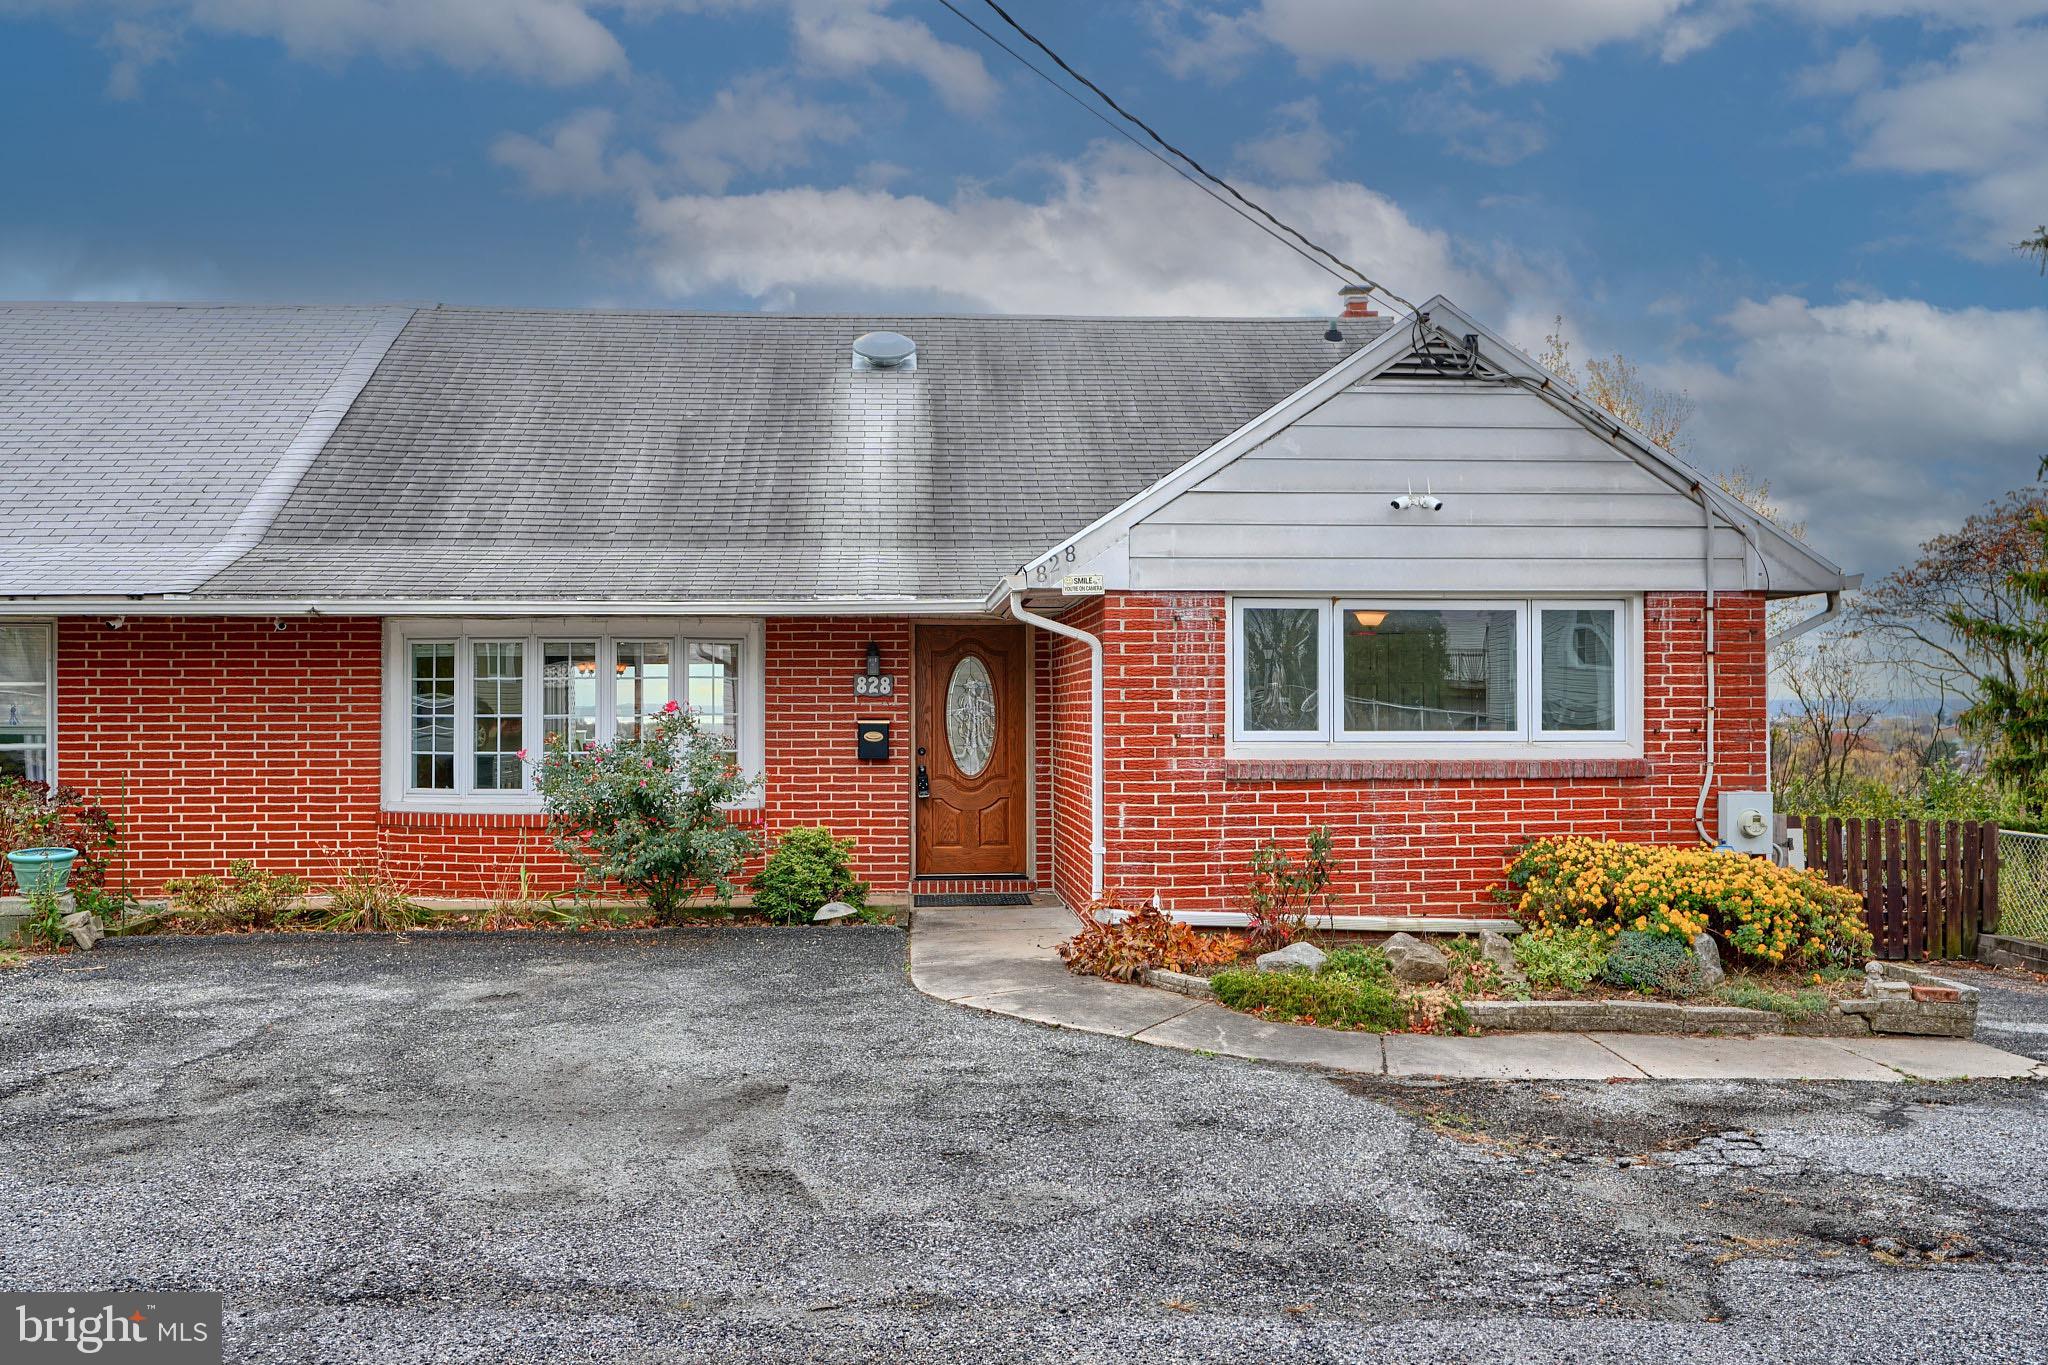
{"x": 1617, "y": 387}
{"x": 1832, "y": 681}
{"x": 1906, "y": 614}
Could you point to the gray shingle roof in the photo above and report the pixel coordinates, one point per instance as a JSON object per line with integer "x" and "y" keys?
{"x": 582, "y": 456}
{"x": 134, "y": 438}
{"x": 722, "y": 457}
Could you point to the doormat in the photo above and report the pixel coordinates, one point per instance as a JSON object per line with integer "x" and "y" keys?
{"x": 937, "y": 901}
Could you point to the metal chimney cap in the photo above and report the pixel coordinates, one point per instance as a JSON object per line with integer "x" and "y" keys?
{"x": 884, "y": 351}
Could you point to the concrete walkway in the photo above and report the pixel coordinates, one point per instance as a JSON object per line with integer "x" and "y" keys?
{"x": 1002, "y": 961}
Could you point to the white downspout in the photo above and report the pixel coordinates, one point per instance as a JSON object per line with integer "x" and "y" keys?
{"x": 1699, "y": 810}
{"x": 1094, "y": 728}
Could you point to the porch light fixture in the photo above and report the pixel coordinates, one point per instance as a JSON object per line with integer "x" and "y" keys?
{"x": 874, "y": 660}
{"x": 1368, "y": 620}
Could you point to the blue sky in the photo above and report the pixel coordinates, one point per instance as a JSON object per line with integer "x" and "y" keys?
{"x": 1799, "y": 212}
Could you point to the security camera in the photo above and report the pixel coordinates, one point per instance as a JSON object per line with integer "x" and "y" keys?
{"x": 1399, "y": 502}
{"x": 1430, "y": 503}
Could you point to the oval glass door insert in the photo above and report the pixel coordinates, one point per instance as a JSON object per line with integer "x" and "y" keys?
{"x": 971, "y": 716}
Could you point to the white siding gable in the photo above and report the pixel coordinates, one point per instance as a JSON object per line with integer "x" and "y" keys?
{"x": 1533, "y": 502}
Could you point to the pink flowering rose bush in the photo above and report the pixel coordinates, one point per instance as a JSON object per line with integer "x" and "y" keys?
{"x": 648, "y": 813}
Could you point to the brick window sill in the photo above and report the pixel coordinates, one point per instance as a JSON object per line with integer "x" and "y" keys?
{"x": 1428, "y": 769}
{"x": 506, "y": 819}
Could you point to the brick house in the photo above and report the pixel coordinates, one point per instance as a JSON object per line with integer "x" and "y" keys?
{"x": 1023, "y": 604}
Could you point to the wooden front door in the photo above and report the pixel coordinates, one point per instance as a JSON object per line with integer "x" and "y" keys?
{"x": 971, "y": 751}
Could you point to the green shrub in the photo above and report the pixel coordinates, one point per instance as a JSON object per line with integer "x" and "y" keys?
{"x": 1360, "y": 964}
{"x": 366, "y": 900}
{"x": 44, "y": 927}
{"x": 1285, "y": 893}
{"x": 246, "y": 898}
{"x": 1752, "y": 995}
{"x": 1768, "y": 914}
{"x": 650, "y": 812}
{"x": 808, "y": 869}
{"x": 1561, "y": 959}
{"x": 1335, "y": 999}
{"x": 1639, "y": 961}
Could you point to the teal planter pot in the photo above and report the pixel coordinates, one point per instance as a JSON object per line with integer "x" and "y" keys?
{"x": 41, "y": 869}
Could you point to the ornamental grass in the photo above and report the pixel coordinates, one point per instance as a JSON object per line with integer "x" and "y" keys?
{"x": 1769, "y": 915}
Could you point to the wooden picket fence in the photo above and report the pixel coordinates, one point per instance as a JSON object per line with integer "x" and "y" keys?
{"x": 1929, "y": 887}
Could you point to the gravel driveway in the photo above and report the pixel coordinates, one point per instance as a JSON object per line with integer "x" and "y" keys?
{"x": 728, "y": 1143}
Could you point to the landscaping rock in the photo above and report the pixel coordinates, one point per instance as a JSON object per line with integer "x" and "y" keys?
{"x": 1708, "y": 955}
{"x": 832, "y": 910}
{"x": 1501, "y": 953}
{"x": 1414, "y": 961}
{"x": 1294, "y": 957}
{"x": 84, "y": 928}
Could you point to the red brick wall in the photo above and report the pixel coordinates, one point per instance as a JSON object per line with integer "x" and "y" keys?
{"x": 1420, "y": 840}
{"x": 212, "y": 739}
{"x": 221, "y": 738}
{"x": 814, "y": 776}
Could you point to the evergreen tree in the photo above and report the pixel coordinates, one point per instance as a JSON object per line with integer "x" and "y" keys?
{"x": 2011, "y": 712}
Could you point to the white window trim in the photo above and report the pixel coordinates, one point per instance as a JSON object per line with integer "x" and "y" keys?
{"x": 1324, "y": 659}
{"x": 401, "y": 632}
{"x": 1408, "y": 739}
{"x": 1626, "y": 669}
{"x": 1529, "y": 741}
{"x": 49, "y": 626}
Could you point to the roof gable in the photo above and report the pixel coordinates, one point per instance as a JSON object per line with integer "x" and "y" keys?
{"x": 1416, "y": 399}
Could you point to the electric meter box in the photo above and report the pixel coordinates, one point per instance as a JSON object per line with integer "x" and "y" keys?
{"x": 1746, "y": 822}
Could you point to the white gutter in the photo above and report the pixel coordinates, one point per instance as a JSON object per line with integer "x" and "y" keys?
{"x": 1699, "y": 810}
{"x": 1094, "y": 644}
{"x": 158, "y": 605}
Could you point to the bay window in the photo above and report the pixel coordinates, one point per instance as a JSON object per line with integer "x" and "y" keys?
{"x": 25, "y": 701}
{"x": 1456, "y": 673}
{"x": 465, "y": 698}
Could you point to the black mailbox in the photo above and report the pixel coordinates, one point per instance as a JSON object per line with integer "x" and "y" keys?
{"x": 873, "y": 740}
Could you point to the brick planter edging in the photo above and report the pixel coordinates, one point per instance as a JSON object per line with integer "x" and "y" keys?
{"x": 1618, "y": 1016}
{"x": 1180, "y": 983}
{"x": 2002, "y": 950}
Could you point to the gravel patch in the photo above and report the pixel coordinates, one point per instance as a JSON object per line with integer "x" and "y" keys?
{"x": 763, "y": 1144}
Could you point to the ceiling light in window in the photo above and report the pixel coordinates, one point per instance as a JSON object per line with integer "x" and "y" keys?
{"x": 1368, "y": 620}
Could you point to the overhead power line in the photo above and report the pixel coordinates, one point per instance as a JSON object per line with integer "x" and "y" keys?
{"x": 1132, "y": 138}
{"x": 1352, "y": 274}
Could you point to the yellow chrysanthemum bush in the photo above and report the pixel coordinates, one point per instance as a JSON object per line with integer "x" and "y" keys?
{"x": 1772, "y": 915}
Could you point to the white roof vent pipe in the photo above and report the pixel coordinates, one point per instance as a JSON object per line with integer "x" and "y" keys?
{"x": 884, "y": 351}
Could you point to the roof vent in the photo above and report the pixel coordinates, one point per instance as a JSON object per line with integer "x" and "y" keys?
{"x": 884, "y": 351}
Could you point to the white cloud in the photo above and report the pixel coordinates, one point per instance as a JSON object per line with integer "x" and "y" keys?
{"x": 1877, "y": 421}
{"x": 1091, "y": 244}
{"x": 554, "y": 41}
{"x": 1853, "y": 69}
{"x": 1980, "y": 117}
{"x": 1466, "y": 129}
{"x": 848, "y": 37}
{"x": 1513, "y": 41}
{"x": 1297, "y": 146}
{"x": 137, "y": 45}
{"x": 759, "y": 123}
{"x": 574, "y": 159}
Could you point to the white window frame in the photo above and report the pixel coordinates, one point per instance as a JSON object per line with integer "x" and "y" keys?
{"x": 1527, "y": 740}
{"x": 1238, "y": 606}
{"x": 1335, "y": 692}
{"x": 400, "y": 633}
{"x": 1624, "y": 675}
{"x": 49, "y": 745}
